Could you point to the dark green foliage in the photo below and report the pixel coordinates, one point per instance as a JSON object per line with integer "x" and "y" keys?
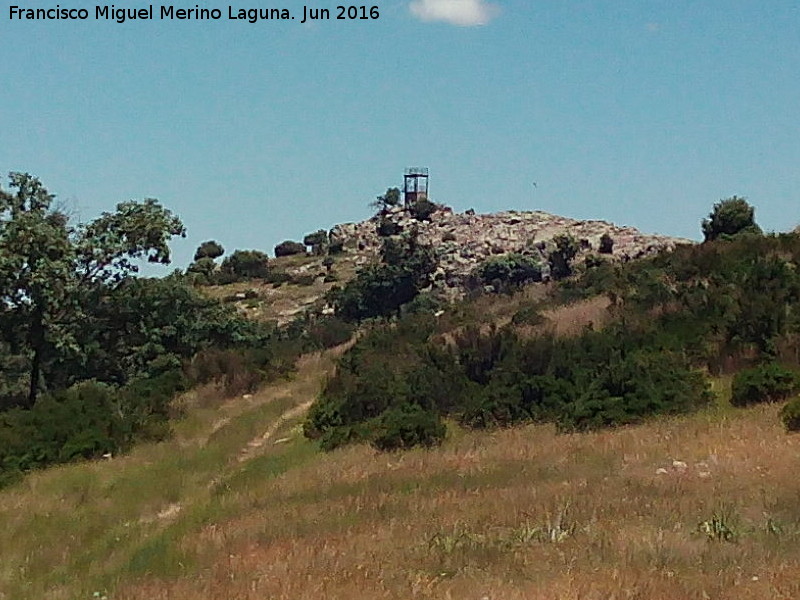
{"x": 318, "y": 238}
{"x": 509, "y": 271}
{"x": 490, "y": 379}
{"x": 566, "y": 247}
{"x": 289, "y": 248}
{"x": 422, "y": 209}
{"x": 790, "y": 415}
{"x": 386, "y": 228}
{"x": 730, "y": 217}
{"x": 210, "y": 249}
{"x": 245, "y": 264}
{"x": 318, "y": 242}
{"x": 85, "y": 421}
{"x": 767, "y": 382}
{"x": 380, "y": 290}
{"x": 627, "y": 390}
{"x": 528, "y": 315}
{"x": 606, "y": 244}
{"x": 330, "y": 331}
{"x": 204, "y": 269}
{"x": 107, "y": 350}
{"x": 406, "y": 426}
{"x": 388, "y": 200}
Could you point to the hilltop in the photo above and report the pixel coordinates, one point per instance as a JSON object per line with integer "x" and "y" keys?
{"x": 461, "y": 241}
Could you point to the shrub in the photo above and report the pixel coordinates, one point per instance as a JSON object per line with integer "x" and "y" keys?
{"x": 729, "y": 218}
{"x": 767, "y": 382}
{"x": 528, "y": 315}
{"x": 318, "y": 238}
{"x": 328, "y": 332}
{"x": 203, "y": 268}
{"x": 209, "y": 249}
{"x": 387, "y": 228}
{"x": 606, "y": 244}
{"x": 790, "y": 415}
{"x": 245, "y": 264}
{"x": 406, "y": 426}
{"x": 509, "y": 271}
{"x": 422, "y": 209}
{"x": 561, "y": 258}
{"x": 289, "y": 248}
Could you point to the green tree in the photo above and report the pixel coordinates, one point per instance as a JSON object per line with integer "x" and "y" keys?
{"x": 210, "y": 249}
{"x": 289, "y": 248}
{"x": 730, "y": 217}
{"x": 50, "y": 272}
{"x": 246, "y": 264}
{"x": 561, "y": 258}
{"x": 388, "y": 200}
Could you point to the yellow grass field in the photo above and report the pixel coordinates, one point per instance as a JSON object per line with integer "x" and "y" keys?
{"x": 240, "y": 506}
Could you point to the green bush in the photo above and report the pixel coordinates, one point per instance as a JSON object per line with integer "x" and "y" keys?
{"x": 330, "y": 331}
{"x": 406, "y": 426}
{"x": 790, "y": 415}
{"x": 388, "y": 228}
{"x": 768, "y": 382}
{"x": 245, "y": 264}
{"x": 422, "y": 209}
{"x": 606, "y": 244}
{"x": 210, "y": 249}
{"x": 289, "y": 248}
{"x": 509, "y": 271}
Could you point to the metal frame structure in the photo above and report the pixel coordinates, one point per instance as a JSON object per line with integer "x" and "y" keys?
{"x": 415, "y": 185}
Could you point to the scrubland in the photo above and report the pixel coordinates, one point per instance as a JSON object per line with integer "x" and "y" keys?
{"x": 702, "y": 506}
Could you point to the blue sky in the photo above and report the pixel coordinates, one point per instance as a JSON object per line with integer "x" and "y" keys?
{"x": 643, "y": 113}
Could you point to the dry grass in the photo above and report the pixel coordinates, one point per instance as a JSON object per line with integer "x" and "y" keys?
{"x": 239, "y": 505}
{"x": 520, "y": 513}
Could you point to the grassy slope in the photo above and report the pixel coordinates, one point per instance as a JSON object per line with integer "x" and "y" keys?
{"x": 520, "y": 513}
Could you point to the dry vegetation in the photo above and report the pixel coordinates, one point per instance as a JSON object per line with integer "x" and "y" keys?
{"x": 701, "y": 507}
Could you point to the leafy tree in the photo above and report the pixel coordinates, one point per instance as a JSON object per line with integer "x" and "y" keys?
{"x": 381, "y": 289}
{"x": 388, "y": 200}
{"x": 566, "y": 247}
{"x": 422, "y": 209}
{"x": 728, "y": 218}
{"x": 289, "y": 248}
{"x": 204, "y": 267}
{"x": 768, "y": 382}
{"x": 210, "y": 249}
{"x": 606, "y": 244}
{"x": 317, "y": 238}
{"x": 50, "y": 272}
{"x": 509, "y": 271}
{"x": 246, "y": 264}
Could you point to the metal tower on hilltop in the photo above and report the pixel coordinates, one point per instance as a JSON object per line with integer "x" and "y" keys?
{"x": 415, "y": 185}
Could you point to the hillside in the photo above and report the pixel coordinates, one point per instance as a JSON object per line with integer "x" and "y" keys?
{"x": 239, "y": 505}
{"x": 462, "y": 242}
{"x": 616, "y": 433}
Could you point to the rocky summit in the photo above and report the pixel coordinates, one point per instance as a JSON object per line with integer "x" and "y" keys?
{"x": 465, "y": 240}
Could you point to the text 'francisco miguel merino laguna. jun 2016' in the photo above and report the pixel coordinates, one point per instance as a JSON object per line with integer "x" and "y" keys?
{"x": 169, "y": 12}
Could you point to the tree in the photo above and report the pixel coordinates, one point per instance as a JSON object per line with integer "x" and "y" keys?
{"x": 606, "y": 244}
{"x": 246, "y": 264}
{"x": 50, "y": 271}
{"x": 561, "y": 258}
{"x": 318, "y": 242}
{"x": 289, "y": 248}
{"x": 210, "y": 249}
{"x": 388, "y": 200}
{"x": 730, "y": 217}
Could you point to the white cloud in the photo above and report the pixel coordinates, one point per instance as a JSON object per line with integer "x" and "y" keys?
{"x": 464, "y": 13}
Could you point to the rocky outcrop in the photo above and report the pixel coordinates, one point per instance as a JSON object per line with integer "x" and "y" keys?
{"x": 465, "y": 240}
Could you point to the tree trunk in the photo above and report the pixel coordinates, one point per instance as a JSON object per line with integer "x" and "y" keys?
{"x": 37, "y": 343}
